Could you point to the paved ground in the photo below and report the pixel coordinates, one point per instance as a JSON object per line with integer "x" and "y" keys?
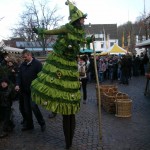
{"x": 117, "y": 133}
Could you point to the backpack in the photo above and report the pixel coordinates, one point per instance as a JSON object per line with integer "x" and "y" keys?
{"x": 82, "y": 69}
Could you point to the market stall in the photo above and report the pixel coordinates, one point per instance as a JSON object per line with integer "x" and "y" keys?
{"x": 115, "y": 49}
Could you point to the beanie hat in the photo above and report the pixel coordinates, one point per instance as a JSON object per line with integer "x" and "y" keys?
{"x": 4, "y": 79}
{"x": 75, "y": 13}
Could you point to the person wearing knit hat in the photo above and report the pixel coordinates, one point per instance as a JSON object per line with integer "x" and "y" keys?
{"x": 57, "y": 86}
{"x": 4, "y": 79}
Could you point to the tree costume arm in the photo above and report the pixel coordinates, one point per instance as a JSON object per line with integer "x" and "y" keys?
{"x": 61, "y": 30}
{"x": 41, "y": 32}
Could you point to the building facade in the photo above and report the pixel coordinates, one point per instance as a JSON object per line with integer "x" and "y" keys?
{"x": 105, "y": 35}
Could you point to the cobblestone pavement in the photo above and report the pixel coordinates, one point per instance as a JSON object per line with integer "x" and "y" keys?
{"x": 117, "y": 133}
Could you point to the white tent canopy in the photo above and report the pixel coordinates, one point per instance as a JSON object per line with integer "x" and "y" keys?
{"x": 144, "y": 43}
{"x": 2, "y": 44}
{"x": 9, "y": 49}
{"x": 12, "y": 49}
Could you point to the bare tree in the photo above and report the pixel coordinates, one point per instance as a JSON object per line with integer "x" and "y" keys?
{"x": 143, "y": 23}
{"x": 128, "y": 31}
{"x": 140, "y": 28}
{"x": 37, "y": 15}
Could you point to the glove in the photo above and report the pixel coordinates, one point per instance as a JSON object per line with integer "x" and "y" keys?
{"x": 39, "y": 31}
{"x": 35, "y": 30}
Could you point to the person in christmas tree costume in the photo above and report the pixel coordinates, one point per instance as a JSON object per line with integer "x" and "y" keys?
{"x": 57, "y": 86}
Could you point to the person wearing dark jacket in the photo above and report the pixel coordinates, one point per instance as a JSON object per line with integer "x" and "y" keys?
{"x": 6, "y": 98}
{"x": 145, "y": 62}
{"x": 28, "y": 71}
{"x": 125, "y": 70}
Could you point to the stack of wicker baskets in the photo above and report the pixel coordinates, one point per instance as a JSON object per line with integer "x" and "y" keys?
{"x": 114, "y": 102}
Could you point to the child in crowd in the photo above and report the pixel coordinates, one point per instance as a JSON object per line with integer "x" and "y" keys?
{"x": 6, "y": 98}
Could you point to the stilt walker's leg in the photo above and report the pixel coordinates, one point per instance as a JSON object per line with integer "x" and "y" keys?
{"x": 146, "y": 88}
{"x": 67, "y": 130}
{"x": 72, "y": 126}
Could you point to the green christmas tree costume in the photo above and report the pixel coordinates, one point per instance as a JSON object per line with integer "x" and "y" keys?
{"x": 57, "y": 86}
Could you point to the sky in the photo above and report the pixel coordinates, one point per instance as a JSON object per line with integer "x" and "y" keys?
{"x": 99, "y": 12}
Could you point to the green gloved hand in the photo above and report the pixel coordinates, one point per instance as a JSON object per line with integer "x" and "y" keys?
{"x": 39, "y": 31}
{"x": 93, "y": 37}
{"x": 35, "y": 30}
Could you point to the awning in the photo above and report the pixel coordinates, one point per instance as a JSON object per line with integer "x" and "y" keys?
{"x": 115, "y": 49}
{"x": 86, "y": 50}
{"x": 143, "y": 44}
{"x": 8, "y": 49}
{"x": 103, "y": 53}
{"x": 12, "y": 49}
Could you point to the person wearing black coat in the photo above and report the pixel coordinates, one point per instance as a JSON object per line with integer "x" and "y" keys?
{"x": 136, "y": 65}
{"x": 6, "y": 98}
{"x": 125, "y": 65}
{"x": 28, "y": 71}
{"x": 145, "y": 62}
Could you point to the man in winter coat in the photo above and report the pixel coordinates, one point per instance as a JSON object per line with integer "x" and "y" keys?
{"x": 28, "y": 71}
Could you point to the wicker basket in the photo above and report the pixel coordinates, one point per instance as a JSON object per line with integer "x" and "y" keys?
{"x": 123, "y": 107}
{"x": 121, "y": 95}
{"x": 105, "y": 89}
{"x": 109, "y": 99}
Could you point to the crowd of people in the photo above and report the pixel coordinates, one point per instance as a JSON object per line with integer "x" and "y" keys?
{"x": 16, "y": 76}
{"x": 8, "y": 74}
{"x": 15, "y": 81}
{"x": 114, "y": 67}
{"x": 117, "y": 67}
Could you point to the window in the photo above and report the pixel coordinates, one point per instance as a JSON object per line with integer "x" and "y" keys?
{"x": 111, "y": 44}
{"x": 143, "y": 38}
{"x": 96, "y": 36}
